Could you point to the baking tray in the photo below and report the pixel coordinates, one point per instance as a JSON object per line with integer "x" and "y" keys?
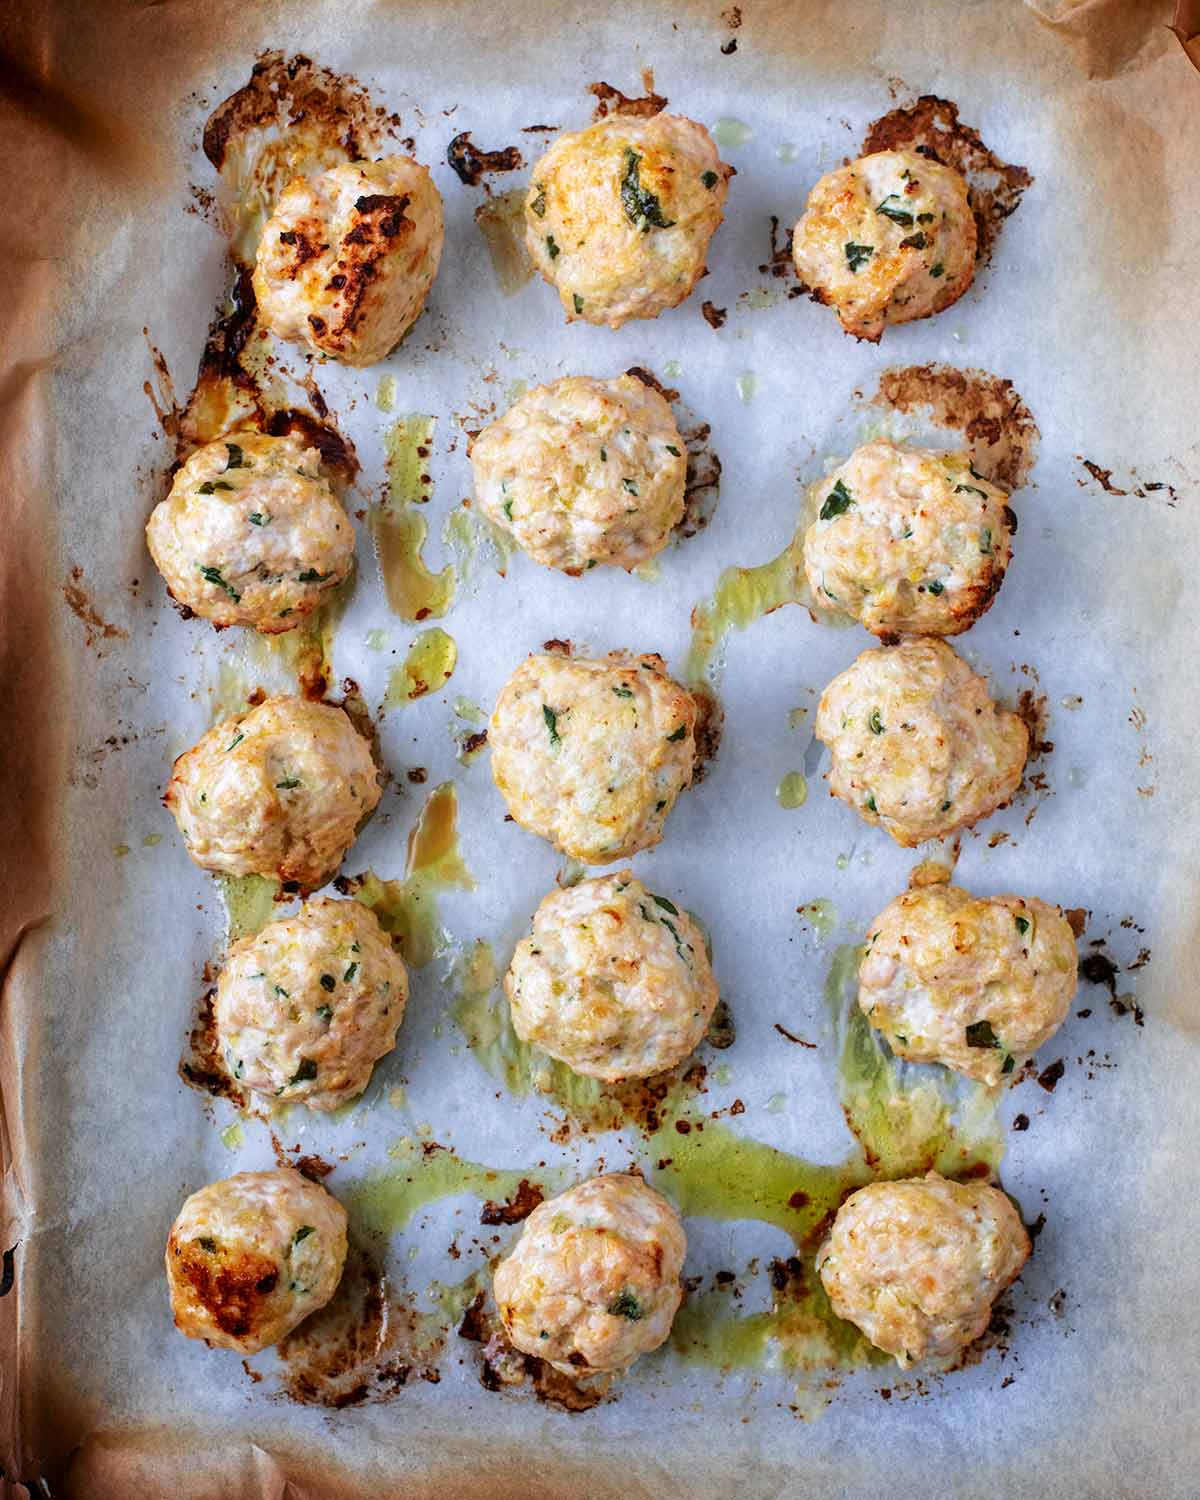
{"x": 1077, "y": 342}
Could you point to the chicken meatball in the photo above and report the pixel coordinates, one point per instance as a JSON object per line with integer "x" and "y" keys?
{"x": 917, "y": 745}
{"x": 347, "y": 258}
{"x": 887, "y": 239}
{"x": 251, "y": 533}
{"x": 593, "y": 1282}
{"x": 974, "y": 983}
{"x": 306, "y": 1007}
{"x": 584, "y": 471}
{"x": 592, "y": 754}
{"x": 618, "y": 217}
{"x": 917, "y": 1264}
{"x": 250, "y": 1257}
{"x": 907, "y": 541}
{"x": 279, "y": 790}
{"x": 613, "y": 980}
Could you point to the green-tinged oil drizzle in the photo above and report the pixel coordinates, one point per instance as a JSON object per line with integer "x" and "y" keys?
{"x": 386, "y": 1199}
{"x": 466, "y": 532}
{"x": 399, "y": 529}
{"x": 249, "y": 903}
{"x": 428, "y": 666}
{"x": 792, "y": 790}
{"x": 907, "y": 1117}
{"x": 501, "y": 221}
{"x": 482, "y": 1014}
{"x": 408, "y": 908}
{"x": 298, "y": 661}
{"x": 744, "y": 595}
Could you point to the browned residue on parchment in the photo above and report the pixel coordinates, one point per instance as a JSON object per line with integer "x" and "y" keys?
{"x": 990, "y": 415}
{"x": 285, "y": 93}
{"x": 932, "y": 127}
{"x": 501, "y": 1366}
{"x": 1032, "y": 709}
{"x": 366, "y": 1344}
{"x": 519, "y": 1205}
{"x": 1142, "y": 489}
{"x": 611, "y": 101}
{"x": 470, "y": 163}
{"x": 201, "y": 1067}
{"x": 95, "y": 628}
{"x": 702, "y": 482}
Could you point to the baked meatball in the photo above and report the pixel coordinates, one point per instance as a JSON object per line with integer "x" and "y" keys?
{"x": 618, "y": 217}
{"x": 347, "y": 258}
{"x": 887, "y": 239}
{"x": 592, "y": 754}
{"x": 250, "y": 1257}
{"x": 251, "y": 533}
{"x": 593, "y": 1282}
{"x": 974, "y": 983}
{"x": 917, "y": 745}
{"x": 279, "y": 790}
{"x": 907, "y": 541}
{"x": 613, "y": 980}
{"x": 584, "y": 471}
{"x": 306, "y": 1007}
{"x": 917, "y": 1264}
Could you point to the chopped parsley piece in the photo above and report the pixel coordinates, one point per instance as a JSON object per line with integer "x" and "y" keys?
{"x": 326, "y": 1013}
{"x": 303, "y": 1233}
{"x": 1009, "y": 1063}
{"x": 938, "y": 270}
{"x": 838, "y": 500}
{"x": 936, "y": 587}
{"x": 1022, "y": 925}
{"x": 213, "y": 576}
{"x": 539, "y": 203}
{"x": 551, "y": 247}
{"x": 630, "y": 486}
{"x": 507, "y": 508}
{"x": 328, "y": 981}
{"x": 279, "y": 990}
{"x": 289, "y": 785}
{"x": 642, "y": 208}
{"x": 980, "y": 1034}
{"x": 578, "y": 301}
{"x": 310, "y": 575}
{"x": 623, "y": 692}
{"x": 709, "y": 179}
{"x": 206, "y": 1242}
{"x": 211, "y": 486}
{"x": 236, "y": 457}
{"x": 926, "y": 218}
{"x": 305, "y": 1073}
{"x": 914, "y": 241}
{"x": 665, "y": 904}
{"x": 350, "y": 973}
{"x": 604, "y": 455}
{"x": 551, "y": 717}
{"x": 945, "y": 807}
{"x": 626, "y": 1305}
{"x": 233, "y": 743}
{"x": 874, "y": 723}
{"x": 985, "y": 541}
{"x": 259, "y": 518}
{"x": 893, "y": 208}
{"x": 970, "y": 489}
{"x": 857, "y": 255}
{"x": 677, "y": 735}
{"x": 671, "y": 448}
{"x": 871, "y": 803}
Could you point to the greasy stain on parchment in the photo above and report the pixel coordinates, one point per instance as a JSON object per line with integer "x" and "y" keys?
{"x": 408, "y": 908}
{"x": 932, "y": 127}
{"x": 501, "y": 221}
{"x": 399, "y": 528}
{"x": 366, "y": 1344}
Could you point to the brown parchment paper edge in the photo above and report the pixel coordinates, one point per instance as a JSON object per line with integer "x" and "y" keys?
{"x": 147, "y": 1463}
